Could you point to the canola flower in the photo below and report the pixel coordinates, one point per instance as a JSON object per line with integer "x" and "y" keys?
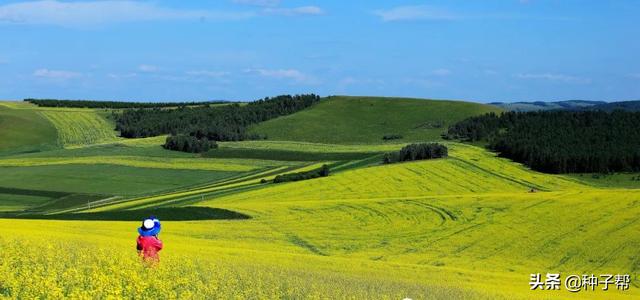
{"x": 62, "y": 270}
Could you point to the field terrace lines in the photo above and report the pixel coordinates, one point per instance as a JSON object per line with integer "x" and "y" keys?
{"x": 144, "y": 162}
{"x": 80, "y": 127}
{"x": 484, "y": 232}
{"x": 312, "y": 147}
{"x": 467, "y": 171}
{"x": 196, "y": 194}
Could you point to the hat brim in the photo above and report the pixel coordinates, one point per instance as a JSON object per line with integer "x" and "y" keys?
{"x": 153, "y": 231}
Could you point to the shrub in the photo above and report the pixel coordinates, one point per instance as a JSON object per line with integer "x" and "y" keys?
{"x": 320, "y": 172}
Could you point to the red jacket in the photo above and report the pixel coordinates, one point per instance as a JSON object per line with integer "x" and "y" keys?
{"x": 149, "y": 246}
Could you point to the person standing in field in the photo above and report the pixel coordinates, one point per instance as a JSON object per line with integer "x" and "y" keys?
{"x": 148, "y": 244}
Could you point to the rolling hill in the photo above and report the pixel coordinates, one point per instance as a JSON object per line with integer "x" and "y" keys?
{"x": 366, "y": 120}
{"x": 25, "y": 127}
{"x": 470, "y": 226}
{"x": 24, "y": 130}
{"x": 622, "y": 105}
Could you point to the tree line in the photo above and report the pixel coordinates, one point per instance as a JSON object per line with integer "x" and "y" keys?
{"x": 195, "y": 125}
{"x": 114, "y": 104}
{"x": 417, "y": 152}
{"x": 316, "y": 173}
{"x": 559, "y": 141}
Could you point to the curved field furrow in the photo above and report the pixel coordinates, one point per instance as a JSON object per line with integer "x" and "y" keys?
{"x": 466, "y": 172}
{"x": 80, "y": 127}
{"x": 380, "y": 228}
{"x": 246, "y": 182}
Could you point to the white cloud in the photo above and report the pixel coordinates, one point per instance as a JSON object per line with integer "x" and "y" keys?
{"x": 52, "y": 12}
{"x": 204, "y": 73}
{"x": 148, "y": 68}
{"x": 414, "y": 13}
{"x": 490, "y": 72}
{"x": 434, "y": 13}
{"x": 289, "y": 74}
{"x": 349, "y": 81}
{"x": 442, "y": 72}
{"x": 122, "y": 76}
{"x": 56, "y": 74}
{"x": 422, "y": 82}
{"x": 258, "y": 2}
{"x": 360, "y": 81}
{"x": 554, "y": 77}
{"x": 272, "y": 7}
{"x": 295, "y": 11}
{"x": 282, "y": 73}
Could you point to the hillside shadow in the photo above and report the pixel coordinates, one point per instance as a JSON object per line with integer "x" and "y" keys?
{"x": 189, "y": 213}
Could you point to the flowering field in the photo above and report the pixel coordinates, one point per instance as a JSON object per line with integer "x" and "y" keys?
{"x": 62, "y": 263}
{"x": 471, "y": 226}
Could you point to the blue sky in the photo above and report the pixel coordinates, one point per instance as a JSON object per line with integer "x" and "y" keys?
{"x": 493, "y": 50}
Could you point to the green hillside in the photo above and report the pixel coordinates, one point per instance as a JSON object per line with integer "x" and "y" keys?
{"x": 25, "y": 127}
{"x": 365, "y": 120}
{"x": 80, "y": 127}
{"x": 23, "y": 130}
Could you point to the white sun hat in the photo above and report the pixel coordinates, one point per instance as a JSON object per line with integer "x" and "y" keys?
{"x": 148, "y": 224}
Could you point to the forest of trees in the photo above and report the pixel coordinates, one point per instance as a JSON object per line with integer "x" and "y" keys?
{"x": 390, "y": 137}
{"x": 114, "y": 104}
{"x": 215, "y": 123}
{"x": 188, "y": 143}
{"x": 320, "y": 172}
{"x": 480, "y": 127}
{"x": 417, "y": 152}
{"x": 559, "y": 141}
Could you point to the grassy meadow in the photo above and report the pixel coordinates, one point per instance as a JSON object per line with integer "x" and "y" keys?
{"x": 470, "y": 226}
{"x": 365, "y": 120}
{"x": 25, "y": 130}
{"x": 76, "y": 128}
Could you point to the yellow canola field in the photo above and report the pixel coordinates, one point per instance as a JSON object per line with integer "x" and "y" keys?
{"x": 468, "y": 170}
{"x": 55, "y": 260}
{"x": 466, "y": 227}
{"x": 472, "y": 247}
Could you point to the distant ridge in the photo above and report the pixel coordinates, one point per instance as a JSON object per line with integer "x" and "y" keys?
{"x": 569, "y": 105}
{"x": 555, "y": 105}
{"x": 623, "y": 105}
